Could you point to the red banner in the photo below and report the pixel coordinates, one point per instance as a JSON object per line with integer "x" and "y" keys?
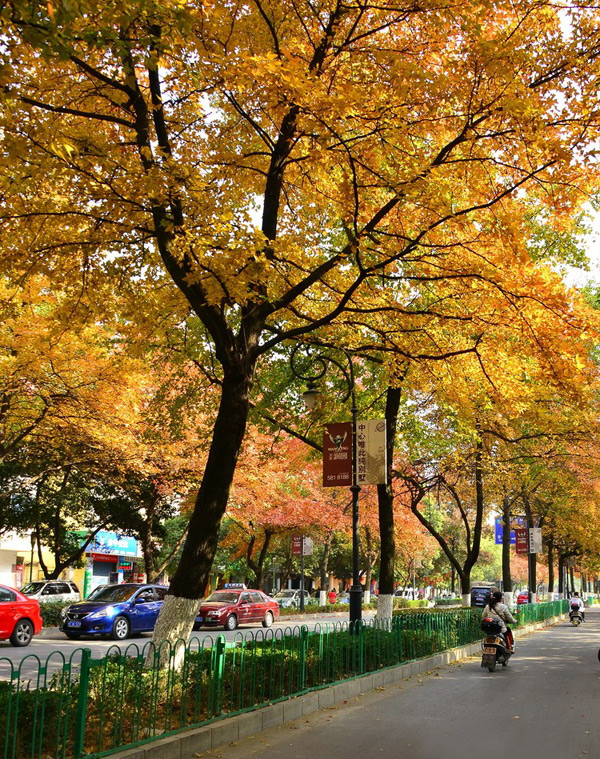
{"x": 296, "y": 545}
{"x": 521, "y": 540}
{"x": 337, "y": 455}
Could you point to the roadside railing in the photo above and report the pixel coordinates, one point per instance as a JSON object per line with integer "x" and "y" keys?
{"x": 528, "y": 614}
{"x": 83, "y": 706}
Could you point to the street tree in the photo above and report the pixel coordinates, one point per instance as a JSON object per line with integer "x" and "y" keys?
{"x": 143, "y": 140}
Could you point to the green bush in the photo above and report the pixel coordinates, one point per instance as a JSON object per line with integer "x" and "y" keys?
{"x": 448, "y": 601}
{"x": 406, "y": 603}
{"x": 50, "y": 611}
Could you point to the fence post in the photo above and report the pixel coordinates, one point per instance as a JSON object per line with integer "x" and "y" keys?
{"x": 82, "y": 701}
{"x": 302, "y": 673}
{"x": 217, "y": 675}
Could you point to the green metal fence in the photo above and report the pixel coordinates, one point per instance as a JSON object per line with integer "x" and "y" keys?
{"x": 82, "y": 706}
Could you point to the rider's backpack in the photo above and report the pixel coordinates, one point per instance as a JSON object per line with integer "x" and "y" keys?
{"x": 491, "y": 625}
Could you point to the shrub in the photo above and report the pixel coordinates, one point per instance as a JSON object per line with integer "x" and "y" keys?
{"x": 50, "y": 611}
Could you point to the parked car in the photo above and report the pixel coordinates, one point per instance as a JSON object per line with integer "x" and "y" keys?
{"x": 231, "y": 607}
{"x": 479, "y": 594}
{"x": 523, "y": 597}
{"x": 20, "y": 617}
{"x": 51, "y": 590}
{"x": 114, "y": 610}
{"x": 291, "y": 599}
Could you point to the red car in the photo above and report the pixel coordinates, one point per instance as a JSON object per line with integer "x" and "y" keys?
{"x": 233, "y": 606}
{"x": 20, "y": 617}
{"x": 523, "y": 597}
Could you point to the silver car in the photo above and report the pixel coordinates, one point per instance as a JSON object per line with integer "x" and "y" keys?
{"x": 291, "y": 599}
{"x": 51, "y": 590}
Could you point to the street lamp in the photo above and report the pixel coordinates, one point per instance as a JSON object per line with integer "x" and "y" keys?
{"x": 32, "y": 538}
{"x": 311, "y": 371}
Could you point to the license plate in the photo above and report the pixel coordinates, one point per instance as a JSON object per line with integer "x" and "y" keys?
{"x": 73, "y": 623}
{"x": 199, "y": 619}
{"x": 489, "y": 650}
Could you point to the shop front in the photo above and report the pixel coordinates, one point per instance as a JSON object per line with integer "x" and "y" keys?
{"x": 112, "y": 558}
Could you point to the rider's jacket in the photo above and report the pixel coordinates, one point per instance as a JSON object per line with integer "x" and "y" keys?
{"x": 501, "y": 612}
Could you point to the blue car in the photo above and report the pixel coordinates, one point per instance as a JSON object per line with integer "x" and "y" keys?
{"x": 114, "y": 610}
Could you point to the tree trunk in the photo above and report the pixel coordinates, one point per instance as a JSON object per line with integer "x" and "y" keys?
{"x": 191, "y": 578}
{"x": 561, "y": 575}
{"x": 506, "y": 574}
{"x": 146, "y": 537}
{"x": 324, "y": 562}
{"x": 385, "y": 499}
{"x": 551, "y": 564}
{"x": 258, "y": 566}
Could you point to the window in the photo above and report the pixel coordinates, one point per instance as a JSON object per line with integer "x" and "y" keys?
{"x": 256, "y": 598}
{"x": 161, "y": 593}
{"x": 146, "y": 595}
{"x": 62, "y": 587}
{"x": 73, "y": 587}
{"x": 6, "y": 595}
{"x": 245, "y": 599}
{"x": 49, "y": 590}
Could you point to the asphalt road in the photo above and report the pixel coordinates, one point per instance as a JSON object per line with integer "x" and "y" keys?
{"x": 544, "y": 705}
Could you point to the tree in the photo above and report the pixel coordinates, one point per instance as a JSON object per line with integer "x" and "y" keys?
{"x": 374, "y": 144}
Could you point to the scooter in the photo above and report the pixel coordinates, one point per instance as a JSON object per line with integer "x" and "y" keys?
{"x": 575, "y": 616}
{"x": 494, "y": 647}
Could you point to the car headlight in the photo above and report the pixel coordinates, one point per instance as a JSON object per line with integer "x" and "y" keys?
{"x": 108, "y": 611}
{"x": 64, "y": 612}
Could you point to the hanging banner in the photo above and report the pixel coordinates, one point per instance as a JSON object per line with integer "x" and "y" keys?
{"x": 371, "y": 463}
{"x": 337, "y": 455}
{"x": 307, "y": 546}
{"x": 535, "y": 540}
{"x": 514, "y": 523}
{"x": 521, "y": 540}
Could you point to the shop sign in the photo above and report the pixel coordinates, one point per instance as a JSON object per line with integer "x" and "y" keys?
{"x": 113, "y": 543}
{"x": 102, "y": 557}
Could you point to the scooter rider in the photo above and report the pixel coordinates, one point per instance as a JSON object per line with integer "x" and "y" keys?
{"x": 496, "y": 609}
{"x": 576, "y": 604}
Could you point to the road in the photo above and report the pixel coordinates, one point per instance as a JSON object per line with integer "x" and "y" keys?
{"x": 545, "y": 704}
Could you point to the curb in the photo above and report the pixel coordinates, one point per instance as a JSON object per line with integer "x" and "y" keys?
{"x": 189, "y": 743}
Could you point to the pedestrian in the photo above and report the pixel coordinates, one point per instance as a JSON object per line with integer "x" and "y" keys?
{"x": 332, "y": 597}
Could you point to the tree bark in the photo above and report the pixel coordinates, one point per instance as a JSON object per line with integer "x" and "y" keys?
{"x": 506, "y": 574}
{"x": 191, "y": 578}
{"x": 324, "y": 562}
{"x": 551, "y": 564}
{"x": 385, "y": 500}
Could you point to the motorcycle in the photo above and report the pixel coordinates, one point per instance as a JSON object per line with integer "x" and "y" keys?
{"x": 494, "y": 647}
{"x": 575, "y": 616}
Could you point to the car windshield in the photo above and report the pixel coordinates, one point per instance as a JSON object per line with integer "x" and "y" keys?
{"x": 224, "y": 597}
{"x": 285, "y": 594}
{"x": 113, "y": 593}
{"x": 32, "y": 587}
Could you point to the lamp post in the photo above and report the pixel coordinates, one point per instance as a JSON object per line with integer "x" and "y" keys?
{"x": 32, "y": 537}
{"x": 315, "y": 369}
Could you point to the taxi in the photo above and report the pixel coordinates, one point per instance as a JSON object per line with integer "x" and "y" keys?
{"x": 234, "y": 605}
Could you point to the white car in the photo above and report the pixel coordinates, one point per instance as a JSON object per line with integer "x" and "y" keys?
{"x": 51, "y": 590}
{"x": 291, "y": 599}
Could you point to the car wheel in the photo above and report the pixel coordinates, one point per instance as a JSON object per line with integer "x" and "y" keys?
{"x": 72, "y": 635}
{"x": 268, "y": 620}
{"x": 120, "y": 630}
{"x": 22, "y": 634}
{"x": 230, "y": 622}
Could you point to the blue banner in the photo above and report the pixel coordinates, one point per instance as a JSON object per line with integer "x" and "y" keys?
{"x": 516, "y": 522}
